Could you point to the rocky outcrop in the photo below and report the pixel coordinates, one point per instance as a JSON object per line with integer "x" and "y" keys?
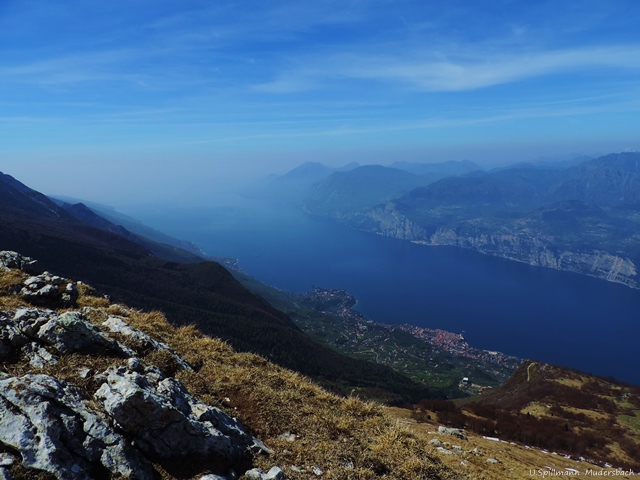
{"x": 256, "y": 474}
{"x": 50, "y": 291}
{"x": 113, "y": 423}
{"x": 55, "y": 429}
{"x": 538, "y": 251}
{"x": 66, "y": 333}
{"x": 455, "y": 432}
{"x": 141, "y": 340}
{"x": 13, "y": 260}
{"x": 165, "y": 421}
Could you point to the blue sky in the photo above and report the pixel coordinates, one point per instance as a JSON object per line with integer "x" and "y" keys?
{"x": 137, "y": 101}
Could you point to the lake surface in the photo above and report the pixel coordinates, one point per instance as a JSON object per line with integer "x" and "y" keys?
{"x": 529, "y": 312}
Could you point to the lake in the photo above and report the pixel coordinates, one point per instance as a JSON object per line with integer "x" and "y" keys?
{"x": 529, "y": 312}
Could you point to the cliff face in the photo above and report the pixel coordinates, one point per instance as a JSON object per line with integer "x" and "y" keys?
{"x": 387, "y": 220}
{"x": 538, "y": 252}
{"x": 525, "y": 245}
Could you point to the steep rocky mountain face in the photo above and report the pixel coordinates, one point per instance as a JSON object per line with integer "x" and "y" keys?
{"x": 606, "y": 181}
{"x": 19, "y": 199}
{"x": 582, "y": 219}
{"x": 202, "y": 293}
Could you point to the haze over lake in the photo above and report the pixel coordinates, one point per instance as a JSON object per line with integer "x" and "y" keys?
{"x": 530, "y": 312}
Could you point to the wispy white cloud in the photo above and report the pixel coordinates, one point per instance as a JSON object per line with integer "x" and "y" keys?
{"x": 461, "y": 70}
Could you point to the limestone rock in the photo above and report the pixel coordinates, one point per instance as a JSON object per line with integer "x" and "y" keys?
{"x": 256, "y": 474}
{"x": 456, "y": 432}
{"x": 38, "y": 356}
{"x": 47, "y": 290}
{"x": 445, "y": 451}
{"x": 9, "y": 260}
{"x": 6, "y": 459}
{"x": 287, "y": 437}
{"x": 54, "y": 428}
{"x": 141, "y": 339}
{"x": 165, "y": 421}
{"x": 71, "y": 332}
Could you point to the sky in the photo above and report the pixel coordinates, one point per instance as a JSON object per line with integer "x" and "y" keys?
{"x": 139, "y": 101}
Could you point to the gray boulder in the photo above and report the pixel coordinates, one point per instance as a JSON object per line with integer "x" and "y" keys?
{"x": 47, "y": 290}
{"x": 166, "y": 422}
{"x": 71, "y": 332}
{"x": 13, "y": 260}
{"x": 38, "y": 356}
{"x": 140, "y": 339}
{"x": 256, "y": 474}
{"x": 55, "y": 429}
{"x": 456, "y": 432}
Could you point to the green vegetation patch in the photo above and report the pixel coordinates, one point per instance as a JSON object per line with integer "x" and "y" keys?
{"x": 630, "y": 421}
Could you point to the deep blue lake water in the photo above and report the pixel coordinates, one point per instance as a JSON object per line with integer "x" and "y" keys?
{"x": 530, "y": 312}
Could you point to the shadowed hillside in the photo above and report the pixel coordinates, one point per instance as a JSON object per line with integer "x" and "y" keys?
{"x": 203, "y": 293}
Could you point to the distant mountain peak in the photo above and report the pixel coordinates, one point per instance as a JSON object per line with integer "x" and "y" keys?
{"x": 441, "y": 169}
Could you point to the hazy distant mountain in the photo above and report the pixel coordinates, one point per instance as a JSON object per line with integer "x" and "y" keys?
{"x": 606, "y": 181}
{"x": 362, "y": 187}
{"x": 323, "y": 189}
{"x": 560, "y": 163}
{"x": 294, "y": 185}
{"x": 436, "y": 171}
{"x": 582, "y": 219}
{"x": 88, "y": 216}
{"x": 112, "y": 217}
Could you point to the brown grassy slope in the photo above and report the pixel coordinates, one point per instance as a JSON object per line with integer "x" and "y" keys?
{"x": 555, "y": 408}
{"x": 513, "y": 461}
{"x": 344, "y": 437}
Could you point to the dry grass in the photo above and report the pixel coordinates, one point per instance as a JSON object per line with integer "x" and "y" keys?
{"x": 536, "y": 409}
{"x": 344, "y": 437}
{"x": 10, "y": 284}
{"x": 570, "y": 382}
{"x": 514, "y": 460}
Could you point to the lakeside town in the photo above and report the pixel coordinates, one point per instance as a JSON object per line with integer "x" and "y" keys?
{"x": 438, "y": 353}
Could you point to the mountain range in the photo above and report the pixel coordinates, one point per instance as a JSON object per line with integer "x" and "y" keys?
{"x": 579, "y": 215}
{"x": 73, "y": 347}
